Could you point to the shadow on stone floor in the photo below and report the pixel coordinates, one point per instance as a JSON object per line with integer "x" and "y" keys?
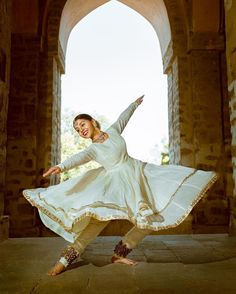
{"x": 167, "y": 264}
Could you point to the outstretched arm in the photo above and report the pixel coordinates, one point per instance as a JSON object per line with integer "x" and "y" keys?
{"x": 124, "y": 117}
{"x": 73, "y": 161}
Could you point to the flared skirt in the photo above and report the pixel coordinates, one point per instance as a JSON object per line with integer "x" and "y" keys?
{"x": 150, "y": 196}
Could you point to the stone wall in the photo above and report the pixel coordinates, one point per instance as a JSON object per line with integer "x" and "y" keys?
{"x": 22, "y": 128}
{"x": 199, "y": 125}
{"x": 208, "y": 136}
{"x": 33, "y": 122}
{"x": 199, "y": 129}
{"x": 5, "y": 45}
{"x": 230, "y": 28}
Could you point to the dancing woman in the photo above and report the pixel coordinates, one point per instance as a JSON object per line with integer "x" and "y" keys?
{"x": 152, "y": 197}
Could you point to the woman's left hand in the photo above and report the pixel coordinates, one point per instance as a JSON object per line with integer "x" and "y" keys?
{"x": 139, "y": 100}
{"x": 52, "y": 171}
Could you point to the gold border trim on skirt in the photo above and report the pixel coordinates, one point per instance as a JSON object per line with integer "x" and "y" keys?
{"x": 112, "y": 217}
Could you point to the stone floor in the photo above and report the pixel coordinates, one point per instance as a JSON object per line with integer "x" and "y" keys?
{"x": 168, "y": 264}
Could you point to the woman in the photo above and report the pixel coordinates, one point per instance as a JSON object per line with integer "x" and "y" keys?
{"x": 151, "y": 197}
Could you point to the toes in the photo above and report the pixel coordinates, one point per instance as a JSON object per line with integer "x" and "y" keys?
{"x": 126, "y": 261}
{"x": 52, "y": 272}
{"x": 57, "y": 269}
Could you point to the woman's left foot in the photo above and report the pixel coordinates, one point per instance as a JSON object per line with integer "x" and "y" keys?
{"x": 123, "y": 260}
{"x": 56, "y": 269}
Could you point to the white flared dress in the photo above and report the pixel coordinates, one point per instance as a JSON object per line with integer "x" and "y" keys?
{"x": 150, "y": 196}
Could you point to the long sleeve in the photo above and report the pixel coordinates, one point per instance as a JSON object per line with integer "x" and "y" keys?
{"x": 77, "y": 159}
{"x": 124, "y": 117}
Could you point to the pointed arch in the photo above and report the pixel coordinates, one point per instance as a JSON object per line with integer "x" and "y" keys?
{"x": 154, "y": 11}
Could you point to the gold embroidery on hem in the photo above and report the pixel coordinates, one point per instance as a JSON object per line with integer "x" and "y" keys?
{"x": 138, "y": 225}
{"x": 94, "y": 204}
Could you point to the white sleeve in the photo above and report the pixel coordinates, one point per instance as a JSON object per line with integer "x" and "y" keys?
{"x": 124, "y": 117}
{"x": 77, "y": 159}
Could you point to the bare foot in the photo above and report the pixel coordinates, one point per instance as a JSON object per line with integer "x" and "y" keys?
{"x": 56, "y": 269}
{"x": 124, "y": 260}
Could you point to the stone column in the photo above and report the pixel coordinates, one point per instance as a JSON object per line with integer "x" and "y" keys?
{"x": 33, "y": 129}
{"x": 209, "y": 119}
{"x": 22, "y": 129}
{"x": 230, "y": 31}
{"x": 5, "y": 44}
{"x": 198, "y": 121}
{"x": 49, "y": 118}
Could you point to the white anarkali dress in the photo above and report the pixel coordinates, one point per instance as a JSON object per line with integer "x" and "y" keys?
{"x": 150, "y": 196}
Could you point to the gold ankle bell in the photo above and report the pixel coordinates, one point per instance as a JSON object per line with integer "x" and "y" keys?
{"x": 70, "y": 254}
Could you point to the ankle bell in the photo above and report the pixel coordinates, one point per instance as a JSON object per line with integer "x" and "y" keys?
{"x": 69, "y": 254}
{"x": 121, "y": 250}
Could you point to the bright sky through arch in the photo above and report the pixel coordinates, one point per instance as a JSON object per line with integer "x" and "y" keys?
{"x": 113, "y": 57}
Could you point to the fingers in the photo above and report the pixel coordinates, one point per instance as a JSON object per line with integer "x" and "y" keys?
{"x": 140, "y": 100}
{"x": 53, "y": 170}
{"x": 47, "y": 173}
{"x": 50, "y": 172}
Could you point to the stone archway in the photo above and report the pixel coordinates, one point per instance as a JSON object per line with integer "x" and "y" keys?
{"x": 154, "y": 11}
{"x": 159, "y": 20}
{"x": 192, "y": 51}
{"x": 184, "y": 47}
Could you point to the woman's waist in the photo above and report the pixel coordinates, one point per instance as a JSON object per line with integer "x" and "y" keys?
{"x": 125, "y": 163}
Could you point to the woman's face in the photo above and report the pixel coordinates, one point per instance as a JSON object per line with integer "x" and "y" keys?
{"x": 85, "y": 127}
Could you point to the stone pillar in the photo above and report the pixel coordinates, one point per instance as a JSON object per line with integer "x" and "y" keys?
{"x": 33, "y": 130}
{"x": 5, "y": 44}
{"x": 33, "y": 121}
{"x": 49, "y": 117}
{"x": 198, "y": 122}
{"x": 208, "y": 94}
{"x": 22, "y": 127}
{"x": 230, "y": 31}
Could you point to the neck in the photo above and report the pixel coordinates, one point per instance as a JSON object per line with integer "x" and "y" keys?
{"x": 96, "y": 134}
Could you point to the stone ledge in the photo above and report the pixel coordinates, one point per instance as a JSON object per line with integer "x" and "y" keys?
{"x": 206, "y": 41}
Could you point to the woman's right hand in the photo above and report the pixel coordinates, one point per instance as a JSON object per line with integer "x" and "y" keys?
{"x": 52, "y": 171}
{"x": 139, "y": 100}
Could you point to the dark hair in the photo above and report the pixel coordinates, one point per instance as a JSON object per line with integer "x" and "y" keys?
{"x": 87, "y": 117}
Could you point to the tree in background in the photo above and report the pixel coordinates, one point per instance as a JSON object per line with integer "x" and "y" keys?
{"x": 165, "y": 155}
{"x": 159, "y": 153}
{"x": 72, "y": 143}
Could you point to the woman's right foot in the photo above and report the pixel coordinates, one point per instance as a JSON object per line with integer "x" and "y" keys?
{"x": 56, "y": 269}
{"x": 123, "y": 260}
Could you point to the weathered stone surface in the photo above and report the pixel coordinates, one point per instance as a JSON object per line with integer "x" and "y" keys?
{"x": 230, "y": 12}
{"x": 5, "y": 59}
{"x": 197, "y": 268}
{"x": 4, "y": 227}
{"x": 22, "y": 129}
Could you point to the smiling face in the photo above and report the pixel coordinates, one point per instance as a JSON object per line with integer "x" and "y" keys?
{"x": 85, "y": 127}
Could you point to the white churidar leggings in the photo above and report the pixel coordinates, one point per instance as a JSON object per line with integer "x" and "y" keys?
{"x": 92, "y": 230}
